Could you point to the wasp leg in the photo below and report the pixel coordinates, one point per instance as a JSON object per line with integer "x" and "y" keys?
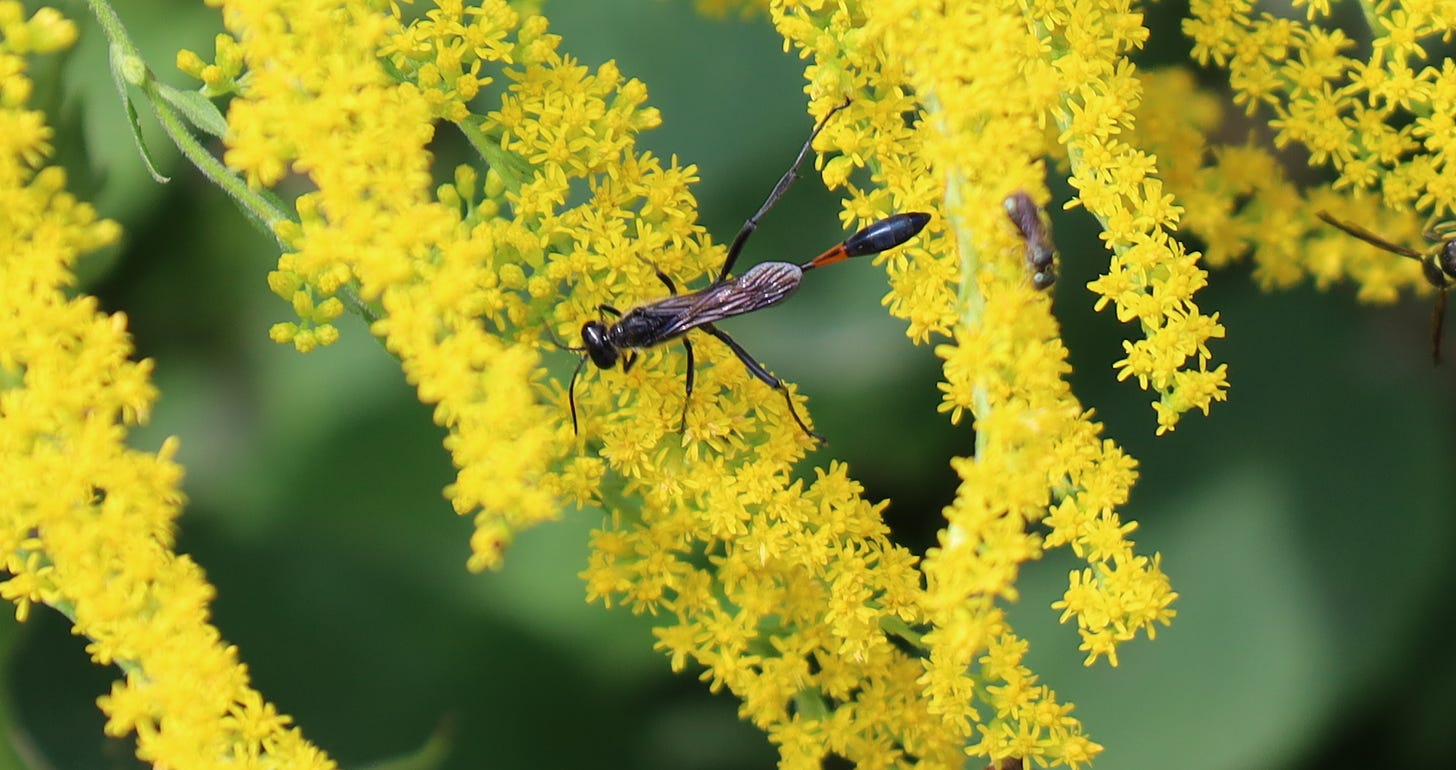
{"x": 571, "y": 395}
{"x": 1438, "y": 319}
{"x": 688, "y": 395}
{"x": 773, "y": 197}
{"x": 757, "y": 370}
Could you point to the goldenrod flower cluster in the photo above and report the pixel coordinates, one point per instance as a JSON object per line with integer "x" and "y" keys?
{"x": 1370, "y": 105}
{"x": 344, "y": 94}
{"x": 86, "y": 522}
{"x": 787, "y": 592}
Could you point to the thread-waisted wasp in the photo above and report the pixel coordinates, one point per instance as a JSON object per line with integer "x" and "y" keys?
{"x": 1438, "y": 265}
{"x": 1040, "y": 256}
{"x": 761, "y": 286}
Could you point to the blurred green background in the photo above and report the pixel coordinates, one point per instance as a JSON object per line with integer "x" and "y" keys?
{"x": 1307, "y": 524}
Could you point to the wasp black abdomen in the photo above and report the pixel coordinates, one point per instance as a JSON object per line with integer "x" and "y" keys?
{"x": 885, "y": 234}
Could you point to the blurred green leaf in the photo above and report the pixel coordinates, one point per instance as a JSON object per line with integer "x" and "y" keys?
{"x": 12, "y": 736}
{"x": 198, "y": 109}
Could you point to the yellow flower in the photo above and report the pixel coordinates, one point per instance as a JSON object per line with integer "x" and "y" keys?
{"x": 986, "y": 84}
{"x": 785, "y": 589}
{"x": 1351, "y": 114}
{"x": 315, "y": 99}
{"x": 88, "y": 522}
{"x": 788, "y": 593}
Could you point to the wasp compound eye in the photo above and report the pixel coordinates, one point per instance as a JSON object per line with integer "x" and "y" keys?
{"x": 1446, "y": 258}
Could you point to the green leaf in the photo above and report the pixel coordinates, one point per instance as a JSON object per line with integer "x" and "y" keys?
{"x": 119, "y": 76}
{"x": 198, "y": 109}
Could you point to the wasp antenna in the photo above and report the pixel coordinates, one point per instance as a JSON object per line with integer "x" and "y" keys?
{"x": 1369, "y": 237}
{"x": 1438, "y": 265}
{"x": 559, "y": 344}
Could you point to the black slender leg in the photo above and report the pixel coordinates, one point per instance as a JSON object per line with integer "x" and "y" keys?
{"x": 757, "y": 370}
{"x": 1438, "y": 321}
{"x": 773, "y": 197}
{"x": 688, "y": 395}
{"x": 661, "y": 276}
{"x": 571, "y": 395}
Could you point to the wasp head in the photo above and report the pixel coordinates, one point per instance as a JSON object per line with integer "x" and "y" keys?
{"x": 1445, "y": 259}
{"x": 599, "y": 345}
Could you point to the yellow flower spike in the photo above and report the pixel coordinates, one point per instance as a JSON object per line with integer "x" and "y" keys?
{"x": 102, "y": 515}
{"x": 979, "y": 132}
{"x": 432, "y": 277}
{"x": 1151, "y": 275}
{"x": 785, "y": 590}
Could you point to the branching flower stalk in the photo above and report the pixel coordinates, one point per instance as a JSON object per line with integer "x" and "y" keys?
{"x": 789, "y": 594}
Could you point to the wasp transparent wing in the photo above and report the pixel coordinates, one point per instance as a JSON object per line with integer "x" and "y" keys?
{"x": 762, "y": 286}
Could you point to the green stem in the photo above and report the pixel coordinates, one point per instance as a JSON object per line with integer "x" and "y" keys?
{"x": 351, "y": 299}
{"x": 503, "y": 162}
{"x": 968, "y": 299}
{"x": 894, "y": 626}
{"x": 265, "y": 208}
